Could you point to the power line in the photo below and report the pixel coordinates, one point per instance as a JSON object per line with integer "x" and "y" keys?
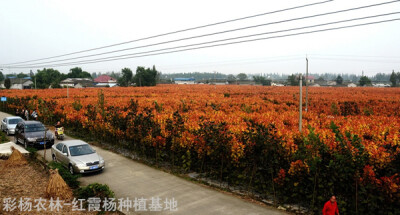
{"x": 204, "y": 43}
{"x": 357, "y": 56}
{"x": 221, "y": 32}
{"x": 234, "y": 63}
{"x": 238, "y": 42}
{"x": 360, "y": 60}
{"x": 231, "y": 61}
{"x": 178, "y": 31}
{"x": 223, "y": 44}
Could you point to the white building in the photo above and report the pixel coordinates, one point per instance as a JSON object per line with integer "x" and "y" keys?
{"x": 380, "y": 85}
{"x": 77, "y": 82}
{"x": 184, "y": 80}
{"x": 351, "y": 85}
{"x": 331, "y": 83}
{"x": 19, "y": 83}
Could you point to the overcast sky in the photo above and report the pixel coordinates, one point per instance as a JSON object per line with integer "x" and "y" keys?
{"x": 38, "y": 29}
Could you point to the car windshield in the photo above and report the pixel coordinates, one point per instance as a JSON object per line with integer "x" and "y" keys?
{"x": 14, "y": 121}
{"x": 80, "y": 150}
{"x": 34, "y": 127}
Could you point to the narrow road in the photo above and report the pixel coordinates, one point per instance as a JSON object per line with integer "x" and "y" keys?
{"x": 130, "y": 179}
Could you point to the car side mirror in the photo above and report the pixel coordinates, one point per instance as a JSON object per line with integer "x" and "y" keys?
{"x": 65, "y": 154}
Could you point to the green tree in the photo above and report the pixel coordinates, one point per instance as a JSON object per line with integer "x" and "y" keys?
{"x": 292, "y": 80}
{"x": 364, "y": 80}
{"x": 77, "y": 72}
{"x": 126, "y": 78}
{"x": 339, "y": 80}
{"x": 22, "y": 75}
{"x": 7, "y": 83}
{"x": 47, "y": 77}
{"x": 231, "y": 77}
{"x": 241, "y": 76}
{"x": 11, "y": 75}
{"x": 393, "y": 79}
{"x": 1, "y": 76}
{"x": 146, "y": 77}
{"x": 262, "y": 80}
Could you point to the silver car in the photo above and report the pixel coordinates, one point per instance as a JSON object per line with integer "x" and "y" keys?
{"x": 77, "y": 156}
{"x": 8, "y": 124}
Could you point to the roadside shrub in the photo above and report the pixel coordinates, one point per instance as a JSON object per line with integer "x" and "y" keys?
{"x": 32, "y": 152}
{"x": 3, "y": 138}
{"x": 94, "y": 190}
{"x": 71, "y": 180}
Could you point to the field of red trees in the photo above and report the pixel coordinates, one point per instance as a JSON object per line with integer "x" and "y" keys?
{"x": 248, "y": 136}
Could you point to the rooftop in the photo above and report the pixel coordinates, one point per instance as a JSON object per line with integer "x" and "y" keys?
{"x": 104, "y": 79}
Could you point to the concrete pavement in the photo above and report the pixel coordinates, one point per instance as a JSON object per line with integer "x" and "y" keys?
{"x": 5, "y": 149}
{"x": 131, "y": 179}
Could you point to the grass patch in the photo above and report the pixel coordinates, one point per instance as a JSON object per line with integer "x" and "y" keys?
{"x": 3, "y": 138}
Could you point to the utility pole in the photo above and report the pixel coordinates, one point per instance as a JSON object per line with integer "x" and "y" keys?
{"x": 215, "y": 82}
{"x": 300, "y": 101}
{"x": 306, "y": 84}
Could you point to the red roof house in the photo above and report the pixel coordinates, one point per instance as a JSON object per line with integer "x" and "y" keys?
{"x": 105, "y": 79}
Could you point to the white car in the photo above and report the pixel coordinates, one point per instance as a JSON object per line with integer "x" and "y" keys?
{"x": 8, "y": 124}
{"x": 78, "y": 156}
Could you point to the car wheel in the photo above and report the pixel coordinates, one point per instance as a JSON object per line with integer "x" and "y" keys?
{"x": 15, "y": 140}
{"x": 25, "y": 144}
{"x": 8, "y": 132}
{"x": 54, "y": 158}
{"x": 71, "y": 169}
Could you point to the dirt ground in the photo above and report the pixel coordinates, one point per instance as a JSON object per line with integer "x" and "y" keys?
{"x": 28, "y": 181}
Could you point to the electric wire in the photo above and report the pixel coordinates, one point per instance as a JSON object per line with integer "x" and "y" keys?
{"x": 222, "y": 32}
{"x": 204, "y": 43}
{"x": 178, "y": 31}
{"x": 217, "y": 45}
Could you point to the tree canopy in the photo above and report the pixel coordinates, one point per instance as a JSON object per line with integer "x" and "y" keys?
{"x": 262, "y": 80}
{"x": 7, "y": 83}
{"x": 77, "y": 72}
{"x": 364, "y": 80}
{"x": 47, "y": 77}
{"x": 241, "y": 76}
{"x": 22, "y": 75}
{"x": 339, "y": 80}
{"x": 127, "y": 77}
{"x": 146, "y": 77}
{"x": 394, "y": 78}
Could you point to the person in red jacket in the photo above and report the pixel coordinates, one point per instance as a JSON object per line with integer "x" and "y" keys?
{"x": 330, "y": 207}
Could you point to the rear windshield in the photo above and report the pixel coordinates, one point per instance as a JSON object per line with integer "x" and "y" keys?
{"x": 80, "y": 150}
{"x": 34, "y": 127}
{"x": 14, "y": 121}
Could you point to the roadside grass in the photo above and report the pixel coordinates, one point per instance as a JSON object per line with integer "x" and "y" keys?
{"x": 4, "y": 138}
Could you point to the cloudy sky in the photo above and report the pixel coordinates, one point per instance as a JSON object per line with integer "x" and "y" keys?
{"x": 39, "y": 29}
